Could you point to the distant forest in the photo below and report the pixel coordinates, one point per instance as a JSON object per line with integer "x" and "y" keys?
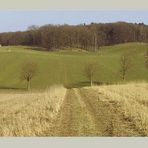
{"x": 85, "y": 36}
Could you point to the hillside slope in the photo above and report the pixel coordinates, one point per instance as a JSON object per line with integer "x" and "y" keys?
{"x": 67, "y": 66}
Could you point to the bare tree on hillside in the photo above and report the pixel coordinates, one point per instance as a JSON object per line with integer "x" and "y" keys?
{"x": 29, "y": 70}
{"x": 90, "y": 70}
{"x": 125, "y": 65}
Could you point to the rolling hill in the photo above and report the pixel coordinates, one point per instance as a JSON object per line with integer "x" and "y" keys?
{"x": 67, "y": 66}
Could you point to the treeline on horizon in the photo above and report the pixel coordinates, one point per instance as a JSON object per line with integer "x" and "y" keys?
{"x": 85, "y": 36}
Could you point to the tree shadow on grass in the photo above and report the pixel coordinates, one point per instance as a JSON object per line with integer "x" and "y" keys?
{"x": 84, "y": 84}
{"x": 11, "y": 88}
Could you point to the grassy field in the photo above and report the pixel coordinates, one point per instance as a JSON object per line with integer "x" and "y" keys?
{"x": 51, "y": 109}
{"x": 66, "y": 67}
{"x": 113, "y": 110}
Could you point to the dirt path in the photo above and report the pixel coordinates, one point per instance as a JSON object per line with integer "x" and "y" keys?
{"x": 64, "y": 121}
{"x": 74, "y": 118}
{"x": 84, "y": 113}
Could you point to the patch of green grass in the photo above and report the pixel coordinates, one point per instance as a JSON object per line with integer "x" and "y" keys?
{"x": 67, "y": 67}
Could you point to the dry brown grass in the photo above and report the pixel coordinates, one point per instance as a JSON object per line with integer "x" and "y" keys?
{"x": 85, "y": 111}
{"x": 30, "y": 113}
{"x": 132, "y": 99}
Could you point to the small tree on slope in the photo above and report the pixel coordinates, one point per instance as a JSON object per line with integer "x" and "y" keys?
{"x": 29, "y": 70}
{"x": 125, "y": 64}
{"x": 90, "y": 70}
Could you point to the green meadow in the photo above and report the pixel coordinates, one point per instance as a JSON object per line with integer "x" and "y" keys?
{"x": 67, "y": 66}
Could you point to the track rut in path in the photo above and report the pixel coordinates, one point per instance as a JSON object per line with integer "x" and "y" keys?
{"x": 74, "y": 118}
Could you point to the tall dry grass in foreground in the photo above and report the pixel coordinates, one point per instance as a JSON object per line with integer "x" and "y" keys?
{"x": 30, "y": 113}
{"x": 34, "y": 113}
{"x": 132, "y": 99}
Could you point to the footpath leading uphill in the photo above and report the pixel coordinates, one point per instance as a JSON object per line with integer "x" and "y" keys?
{"x": 85, "y": 113}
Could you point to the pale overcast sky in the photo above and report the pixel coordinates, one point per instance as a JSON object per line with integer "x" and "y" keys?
{"x": 20, "y": 20}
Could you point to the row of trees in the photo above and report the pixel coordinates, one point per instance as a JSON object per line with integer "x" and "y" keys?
{"x": 29, "y": 69}
{"x": 88, "y": 37}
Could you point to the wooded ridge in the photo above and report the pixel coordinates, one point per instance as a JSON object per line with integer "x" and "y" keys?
{"x": 85, "y": 36}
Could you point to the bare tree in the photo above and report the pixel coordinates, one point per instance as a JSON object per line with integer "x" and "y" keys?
{"x": 29, "y": 70}
{"x": 33, "y": 27}
{"x": 90, "y": 69}
{"x": 125, "y": 64}
{"x": 95, "y": 42}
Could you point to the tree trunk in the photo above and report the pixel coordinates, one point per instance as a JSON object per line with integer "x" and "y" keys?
{"x": 28, "y": 85}
{"x": 123, "y": 77}
{"x": 91, "y": 83}
{"x": 95, "y": 46}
